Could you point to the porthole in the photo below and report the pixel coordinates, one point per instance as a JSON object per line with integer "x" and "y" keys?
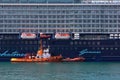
{"x": 71, "y": 43}
{"x": 93, "y": 43}
{"x": 26, "y": 48}
{"x": 116, "y": 48}
{"x": 93, "y": 48}
{"x": 79, "y": 42}
{"x": 26, "y": 42}
{"x": 102, "y": 48}
{"x": 98, "y": 43}
{"x": 111, "y": 53}
{"x": 30, "y": 42}
{"x": 107, "y": 48}
{"x": 84, "y": 43}
{"x": 35, "y": 42}
{"x": 75, "y": 42}
{"x": 21, "y": 48}
{"x": 89, "y": 43}
{"x": 111, "y": 48}
{"x": 116, "y": 43}
{"x": 98, "y": 48}
{"x": 75, "y": 48}
{"x": 44, "y": 42}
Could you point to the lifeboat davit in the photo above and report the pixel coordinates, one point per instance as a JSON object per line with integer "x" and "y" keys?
{"x": 44, "y": 35}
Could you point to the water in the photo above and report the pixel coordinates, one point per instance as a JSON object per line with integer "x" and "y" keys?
{"x": 60, "y": 71}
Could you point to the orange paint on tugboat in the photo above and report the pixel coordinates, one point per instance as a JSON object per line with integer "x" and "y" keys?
{"x": 51, "y": 59}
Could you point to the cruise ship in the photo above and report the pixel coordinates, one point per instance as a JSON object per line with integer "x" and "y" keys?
{"x": 70, "y": 28}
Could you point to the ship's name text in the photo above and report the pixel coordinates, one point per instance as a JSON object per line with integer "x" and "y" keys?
{"x": 12, "y": 54}
{"x": 85, "y": 51}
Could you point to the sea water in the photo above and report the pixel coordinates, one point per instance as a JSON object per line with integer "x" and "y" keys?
{"x": 60, "y": 71}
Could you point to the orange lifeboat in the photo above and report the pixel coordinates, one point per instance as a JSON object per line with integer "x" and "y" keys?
{"x": 62, "y": 36}
{"x": 28, "y": 35}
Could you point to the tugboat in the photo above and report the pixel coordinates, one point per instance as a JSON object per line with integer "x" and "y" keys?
{"x": 43, "y": 55}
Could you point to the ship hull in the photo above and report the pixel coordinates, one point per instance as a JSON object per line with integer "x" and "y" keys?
{"x": 13, "y": 46}
{"x": 91, "y": 52}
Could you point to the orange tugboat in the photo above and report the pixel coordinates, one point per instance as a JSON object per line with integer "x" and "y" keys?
{"x": 43, "y": 55}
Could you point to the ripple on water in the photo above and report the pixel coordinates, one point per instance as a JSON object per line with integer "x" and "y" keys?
{"x": 60, "y": 71}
